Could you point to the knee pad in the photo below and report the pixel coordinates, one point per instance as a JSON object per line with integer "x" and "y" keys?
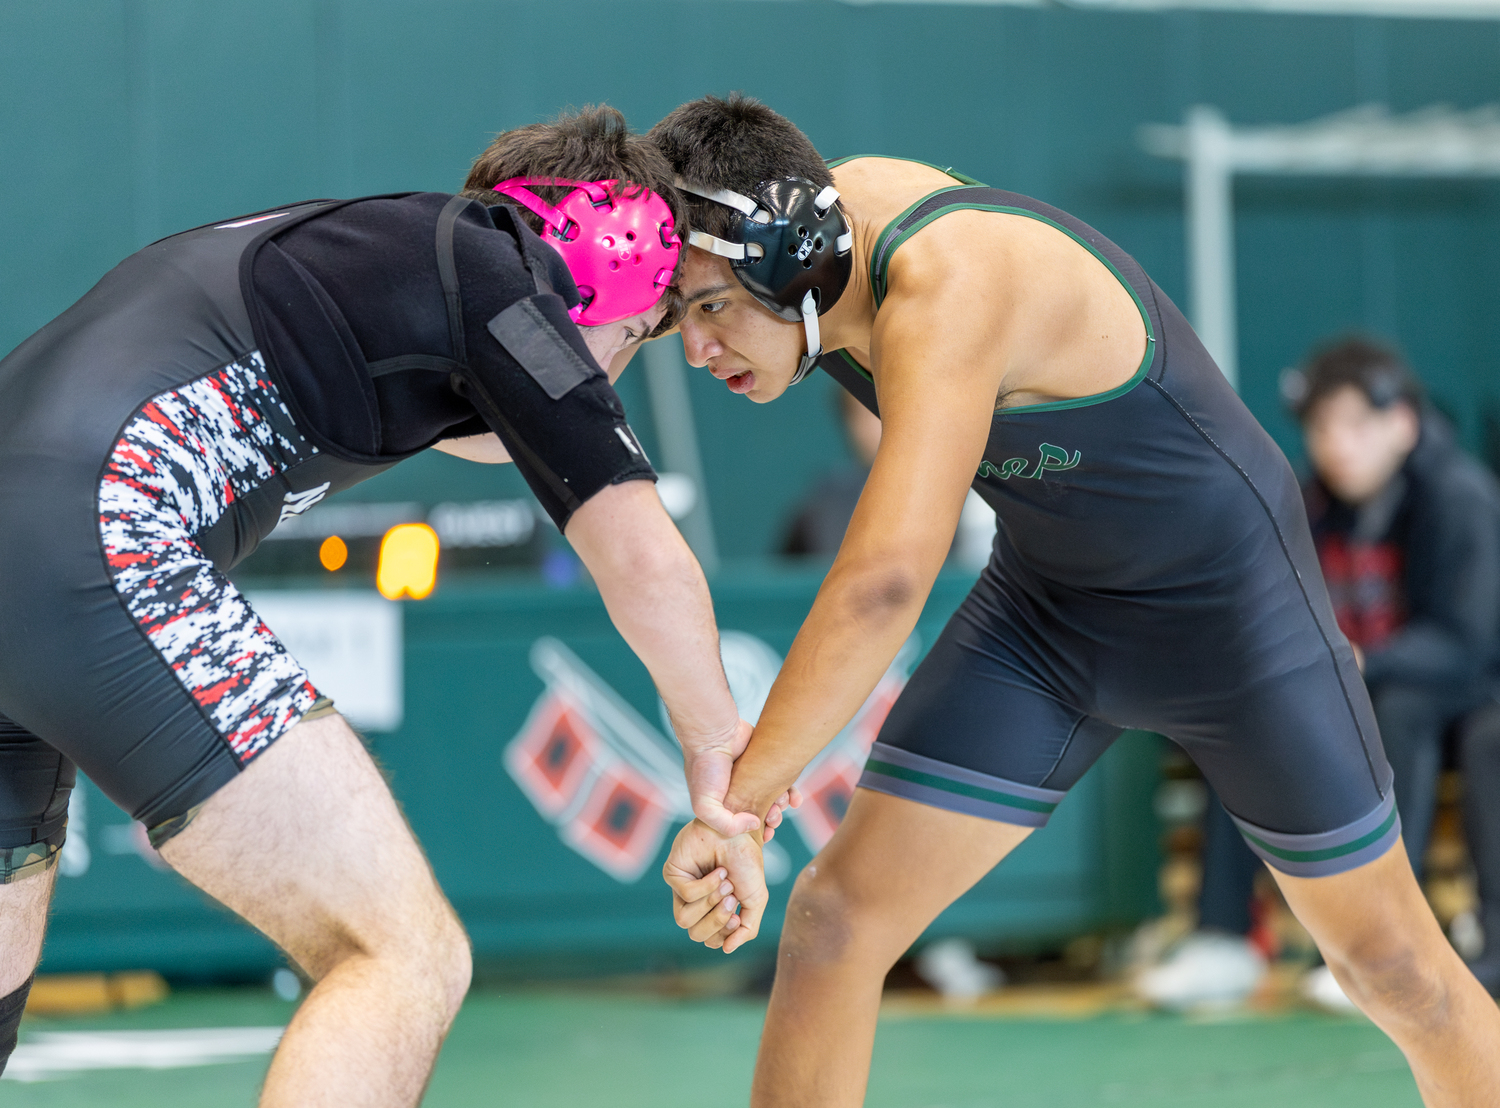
{"x": 11, "y": 1008}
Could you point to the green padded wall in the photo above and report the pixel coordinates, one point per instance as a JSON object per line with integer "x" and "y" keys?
{"x": 124, "y": 120}
{"x": 530, "y": 903}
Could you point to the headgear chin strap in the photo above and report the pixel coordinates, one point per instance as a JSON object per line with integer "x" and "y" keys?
{"x": 791, "y": 248}
{"x": 621, "y": 250}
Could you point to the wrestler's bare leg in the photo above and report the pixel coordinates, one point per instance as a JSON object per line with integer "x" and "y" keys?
{"x": 308, "y": 846}
{"x": 892, "y": 866}
{"x": 1383, "y": 945}
{"x": 23, "y": 923}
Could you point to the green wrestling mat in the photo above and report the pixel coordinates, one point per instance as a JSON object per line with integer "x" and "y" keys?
{"x": 563, "y": 1049}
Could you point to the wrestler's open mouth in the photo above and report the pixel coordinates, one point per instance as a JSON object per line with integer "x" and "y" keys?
{"x": 741, "y": 382}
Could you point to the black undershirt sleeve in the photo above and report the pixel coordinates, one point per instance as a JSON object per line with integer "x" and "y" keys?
{"x": 533, "y": 381}
{"x": 554, "y": 410}
{"x": 402, "y": 321}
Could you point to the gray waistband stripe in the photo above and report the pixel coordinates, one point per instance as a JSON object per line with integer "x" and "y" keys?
{"x": 905, "y": 759}
{"x": 925, "y": 780}
{"x": 1330, "y": 852}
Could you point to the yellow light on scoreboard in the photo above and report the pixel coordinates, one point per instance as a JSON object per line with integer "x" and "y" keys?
{"x": 408, "y": 561}
{"x": 333, "y": 553}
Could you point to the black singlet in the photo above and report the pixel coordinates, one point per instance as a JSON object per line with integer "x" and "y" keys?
{"x": 207, "y": 387}
{"x": 1153, "y": 569}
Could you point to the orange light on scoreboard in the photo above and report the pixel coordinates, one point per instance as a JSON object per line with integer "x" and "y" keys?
{"x": 333, "y": 553}
{"x": 408, "y": 561}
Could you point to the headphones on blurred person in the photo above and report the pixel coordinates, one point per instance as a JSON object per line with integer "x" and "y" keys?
{"x": 790, "y": 247}
{"x": 1375, "y": 372}
{"x": 621, "y": 250}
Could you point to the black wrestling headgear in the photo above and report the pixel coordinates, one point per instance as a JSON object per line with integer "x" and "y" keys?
{"x": 791, "y": 248}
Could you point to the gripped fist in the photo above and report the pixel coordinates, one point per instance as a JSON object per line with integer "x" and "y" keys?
{"x": 711, "y": 876}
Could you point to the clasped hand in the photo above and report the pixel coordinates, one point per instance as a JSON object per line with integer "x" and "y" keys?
{"x": 713, "y": 878}
{"x": 715, "y": 868}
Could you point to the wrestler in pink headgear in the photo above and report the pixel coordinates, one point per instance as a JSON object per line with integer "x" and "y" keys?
{"x": 621, "y": 249}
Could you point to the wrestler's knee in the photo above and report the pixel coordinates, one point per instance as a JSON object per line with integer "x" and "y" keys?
{"x": 818, "y": 927}
{"x": 424, "y": 961}
{"x": 308, "y": 845}
{"x": 829, "y": 920}
{"x": 1387, "y": 973}
{"x": 446, "y": 962}
{"x": 418, "y": 940}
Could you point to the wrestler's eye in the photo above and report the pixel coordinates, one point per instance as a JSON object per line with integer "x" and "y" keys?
{"x": 631, "y": 336}
{"x": 714, "y": 306}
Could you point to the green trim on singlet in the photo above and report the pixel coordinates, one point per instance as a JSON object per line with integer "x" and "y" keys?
{"x": 861, "y": 370}
{"x": 1146, "y": 359}
{"x": 889, "y": 241}
{"x": 945, "y": 169}
{"x": 1329, "y": 853}
{"x": 960, "y": 788}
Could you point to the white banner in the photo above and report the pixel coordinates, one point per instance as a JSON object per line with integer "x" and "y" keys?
{"x": 350, "y": 644}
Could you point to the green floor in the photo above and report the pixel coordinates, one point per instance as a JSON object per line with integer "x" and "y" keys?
{"x": 537, "y": 1049}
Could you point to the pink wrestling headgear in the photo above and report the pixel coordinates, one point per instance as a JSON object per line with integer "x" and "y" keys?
{"x": 621, "y": 250}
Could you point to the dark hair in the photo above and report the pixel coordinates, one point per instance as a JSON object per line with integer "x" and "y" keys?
{"x": 733, "y": 144}
{"x": 591, "y": 144}
{"x": 1374, "y": 369}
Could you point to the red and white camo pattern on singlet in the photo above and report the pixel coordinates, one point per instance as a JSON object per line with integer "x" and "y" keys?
{"x": 177, "y": 466}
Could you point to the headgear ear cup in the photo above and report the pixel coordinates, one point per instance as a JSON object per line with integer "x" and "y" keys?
{"x": 622, "y": 250}
{"x": 790, "y": 247}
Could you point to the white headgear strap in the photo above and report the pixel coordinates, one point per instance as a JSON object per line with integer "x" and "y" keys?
{"x": 735, "y": 251}
{"x": 814, "y": 339}
{"x": 729, "y": 199}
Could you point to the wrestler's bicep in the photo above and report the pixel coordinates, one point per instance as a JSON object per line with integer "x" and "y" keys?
{"x": 935, "y": 423}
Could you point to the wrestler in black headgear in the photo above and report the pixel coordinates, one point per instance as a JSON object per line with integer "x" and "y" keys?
{"x": 791, "y": 248}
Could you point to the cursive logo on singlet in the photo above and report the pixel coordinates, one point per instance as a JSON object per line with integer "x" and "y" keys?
{"x": 1053, "y": 458}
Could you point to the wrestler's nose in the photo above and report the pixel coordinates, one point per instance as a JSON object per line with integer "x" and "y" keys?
{"x": 699, "y": 347}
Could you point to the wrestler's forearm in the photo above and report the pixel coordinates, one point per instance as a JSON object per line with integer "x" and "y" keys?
{"x": 658, "y": 599}
{"x": 862, "y": 615}
{"x": 932, "y": 438}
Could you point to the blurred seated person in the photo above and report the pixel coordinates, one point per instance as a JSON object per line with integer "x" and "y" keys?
{"x": 1407, "y": 529}
{"x": 1479, "y": 756}
{"x": 821, "y": 517}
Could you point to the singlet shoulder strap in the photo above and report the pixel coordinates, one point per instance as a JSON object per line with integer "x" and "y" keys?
{"x": 937, "y": 204}
{"x": 905, "y": 225}
{"x": 933, "y": 206}
{"x": 982, "y": 198}
{"x": 448, "y": 274}
{"x": 849, "y": 373}
{"x": 964, "y": 178}
{"x": 504, "y": 219}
